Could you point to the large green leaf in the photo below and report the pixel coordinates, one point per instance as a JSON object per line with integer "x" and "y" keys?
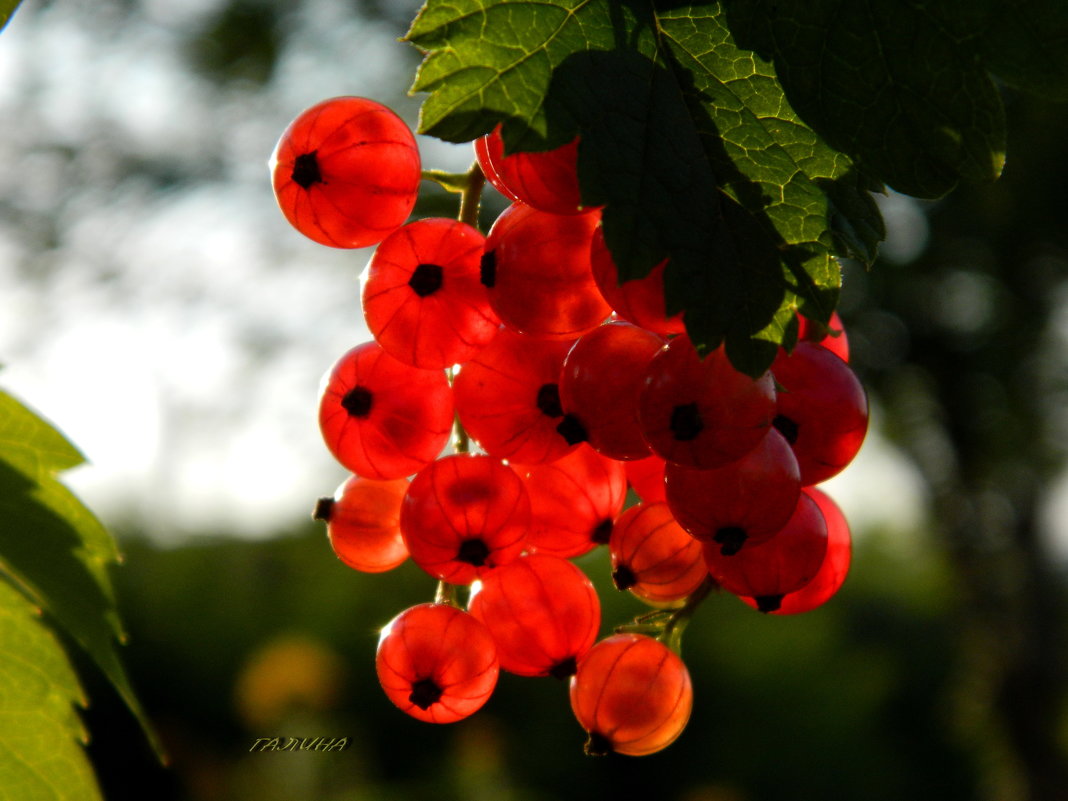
{"x": 687, "y": 140}
{"x": 52, "y": 547}
{"x": 40, "y": 732}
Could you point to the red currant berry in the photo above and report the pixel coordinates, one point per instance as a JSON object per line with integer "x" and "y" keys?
{"x": 546, "y": 180}
{"x": 600, "y": 384}
{"x": 382, "y": 418}
{"x": 537, "y": 270}
{"x": 832, "y": 336}
{"x": 543, "y": 613}
{"x": 632, "y": 694}
{"x": 363, "y": 523}
{"x": 463, "y": 515}
{"x": 835, "y": 567}
{"x": 346, "y": 172}
{"x": 640, "y": 301}
{"x": 702, "y": 413}
{"x": 822, "y": 410}
{"x": 653, "y": 556}
{"x": 422, "y": 297}
{"x": 573, "y": 502}
{"x": 785, "y": 563}
{"x": 508, "y": 399}
{"x": 437, "y": 663}
{"x": 740, "y": 503}
{"x": 646, "y": 478}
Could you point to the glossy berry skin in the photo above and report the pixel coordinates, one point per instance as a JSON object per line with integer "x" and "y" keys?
{"x": 381, "y": 418}
{"x": 537, "y": 270}
{"x": 573, "y": 502}
{"x": 508, "y": 399}
{"x": 437, "y": 663}
{"x": 363, "y": 523}
{"x": 632, "y": 694}
{"x": 646, "y": 478}
{"x": 833, "y": 570}
{"x": 702, "y": 413}
{"x": 783, "y": 564}
{"x": 546, "y": 180}
{"x": 346, "y": 172}
{"x": 602, "y": 378}
{"x": 543, "y": 613}
{"x": 639, "y": 301}
{"x": 822, "y": 410}
{"x": 422, "y": 298}
{"x": 463, "y": 515}
{"x": 834, "y": 338}
{"x": 740, "y": 503}
{"x": 653, "y": 556}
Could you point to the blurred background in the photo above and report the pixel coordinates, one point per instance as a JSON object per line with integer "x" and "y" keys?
{"x": 157, "y": 307}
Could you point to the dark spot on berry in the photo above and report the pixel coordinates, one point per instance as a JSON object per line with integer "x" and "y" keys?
{"x": 358, "y": 401}
{"x": 686, "y": 422}
{"x": 425, "y": 693}
{"x": 324, "y": 507}
{"x": 487, "y": 273}
{"x": 768, "y": 603}
{"x": 785, "y": 426}
{"x": 549, "y": 400}
{"x": 623, "y": 577}
{"x": 426, "y": 279}
{"x": 572, "y": 430}
{"x": 602, "y": 532}
{"x": 731, "y": 538}
{"x": 597, "y": 745}
{"x": 564, "y": 668}
{"x": 306, "y": 170}
{"x": 473, "y": 552}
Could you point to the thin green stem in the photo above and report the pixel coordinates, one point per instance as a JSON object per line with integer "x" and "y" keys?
{"x": 471, "y": 198}
{"x": 676, "y": 624}
{"x": 446, "y": 594}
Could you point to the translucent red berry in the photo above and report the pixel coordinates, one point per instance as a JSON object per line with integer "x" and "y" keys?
{"x": 653, "y": 556}
{"x": 422, "y": 297}
{"x": 703, "y": 413}
{"x": 463, "y": 515}
{"x": 542, "y": 611}
{"x": 363, "y": 523}
{"x": 546, "y": 180}
{"x": 537, "y": 270}
{"x": 632, "y": 694}
{"x": 832, "y": 336}
{"x": 646, "y": 478}
{"x": 382, "y": 418}
{"x": 437, "y": 663}
{"x": 573, "y": 502}
{"x": 346, "y": 172}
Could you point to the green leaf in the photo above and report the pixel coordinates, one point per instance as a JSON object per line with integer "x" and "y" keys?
{"x": 7, "y": 8}
{"x": 53, "y": 548}
{"x": 40, "y": 731}
{"x": 687, "y": 140}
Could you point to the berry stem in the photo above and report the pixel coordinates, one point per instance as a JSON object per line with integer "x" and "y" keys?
{"x": 466, "y": 184}
{"x": 446, "y": 594}
{"x": 676, "y": 624}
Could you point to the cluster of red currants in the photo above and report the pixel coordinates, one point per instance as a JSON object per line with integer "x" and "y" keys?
{"x": 559, "y": 387}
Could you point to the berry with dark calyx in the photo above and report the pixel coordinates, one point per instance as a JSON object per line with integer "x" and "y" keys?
{"x": 835, "y": 567}
{"x": 782, "y": 564}
{"x": 632, "y": 694}
{"x": 822, "y": 410}
{"x": 507, "y": 397}
{"x": 463, "y": 515}
{"x": 832, "y": 336}
{"x": 542, "y": 611}
{"x": 639, "y": 301}
{"x": 702, "y": 413}
{"x": 653, "y": 556}
{"x": 381, "y": 418}
{"x": 573, "y": 502}
{"x": 422, "y": 297}
{"x": 437, "y": 663}
{"x": 546, "y": 180}
{"x": 346, "y": 172}
{"x": 600, "y": 384}
{"x": 740, "y": 503}
{"x": 542, "y": 283}
{"x": 363, "y": 523}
